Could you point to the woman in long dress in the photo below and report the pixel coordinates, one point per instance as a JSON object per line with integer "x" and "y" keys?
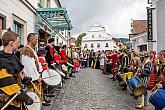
{"x": 102, "y": 58}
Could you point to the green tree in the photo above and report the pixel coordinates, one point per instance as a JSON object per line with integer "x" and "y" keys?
{"x": 79, "y": 39}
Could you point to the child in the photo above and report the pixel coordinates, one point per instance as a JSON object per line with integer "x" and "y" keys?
{"x": 41, "y": 56}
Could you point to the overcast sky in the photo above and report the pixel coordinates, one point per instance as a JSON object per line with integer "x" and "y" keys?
{"x": 115, "y": 15}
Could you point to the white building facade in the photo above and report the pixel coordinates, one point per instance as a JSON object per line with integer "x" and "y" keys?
{"x": 139, "y": 42}
{"x": 158, "y": 23}
{"x": 19, "y": 16}
{"x": 23, "y": 17}
{"x": 97, "y": 39}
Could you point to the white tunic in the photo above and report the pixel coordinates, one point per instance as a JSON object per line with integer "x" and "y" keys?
{"x": 102, "y": 57}
{"x": 30, "y": 68}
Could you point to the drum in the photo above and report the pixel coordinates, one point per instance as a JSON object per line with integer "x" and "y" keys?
{"x": 158, "y": 99}
{"x": 51, "y": 77}
{"x": 60, "y": 72}
{"x": 119, "y": 77}
{"x": 127, "y": 76}
{"x": 36, "y": 102}
{"x": 69, "y": 64}
{"x": 136, "y": 87}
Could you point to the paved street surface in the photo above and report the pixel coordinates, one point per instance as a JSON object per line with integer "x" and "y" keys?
{"x": 92, "y": 90}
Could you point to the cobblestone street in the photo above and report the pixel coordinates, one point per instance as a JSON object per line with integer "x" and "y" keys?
{"x": 91, "y": 90}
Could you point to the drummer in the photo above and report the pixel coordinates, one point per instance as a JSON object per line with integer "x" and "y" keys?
{"x": 64, "y": 59}
{"x": 32, "y": 66}
{"x": 135, "y": 63}
{"x": 11, "y": 70}
{"x": 49, "y": 53}
{"x": 57, "y": 57}
{"x": 41, "y": 56}
{"x": 144, "y": 74}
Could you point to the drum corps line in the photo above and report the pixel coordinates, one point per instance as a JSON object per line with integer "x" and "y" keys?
{"x": 140, "y": 72}
{"x": 28, "y": 78}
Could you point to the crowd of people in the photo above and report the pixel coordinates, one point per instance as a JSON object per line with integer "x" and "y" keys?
{"x": 21, "y": 69}
{"x": 135, "y": 70}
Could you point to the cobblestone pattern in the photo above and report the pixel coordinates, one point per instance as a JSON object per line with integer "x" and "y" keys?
{"x": 91, "y": 90}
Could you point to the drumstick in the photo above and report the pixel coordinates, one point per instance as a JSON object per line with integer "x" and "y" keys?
{"x": 35, "y": 88}
{"x": 18, "y": 93}
{"x": 155, "y": 87}
{"x": 49, "y": 77}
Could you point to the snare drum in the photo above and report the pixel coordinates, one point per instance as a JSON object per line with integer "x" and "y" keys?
{"x": 51, "y": 77}
{"x": 60, "y": 72}
{"x": 36, "y": 102}
{"x": 158, "y": 99}
{"x": 136, "y": 86}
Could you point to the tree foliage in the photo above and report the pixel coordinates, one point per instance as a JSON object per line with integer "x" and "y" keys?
{"x": 79, "y": 39}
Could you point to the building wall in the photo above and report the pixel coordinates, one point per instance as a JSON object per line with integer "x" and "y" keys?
{"x": 111, "y": 45}
{"x": 160, "y": 25}
{"x": 16, "y": 10}
{"x": 154, "y": 24}
{"x": 140, "y": 40}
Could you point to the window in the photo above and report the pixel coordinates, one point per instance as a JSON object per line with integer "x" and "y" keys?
{"x": 41, "y": 3}
{"x": 92, "y": 36}
{"x": 48, "y": 4}
{"x": 57, "y": 42}
{"x": 2, "y": 23}
{"x": 85, "y": 46}
{"x": 106, "y": 45}
{"x": 91, "y": 45}
{"x": 98, "y": 45}
{"x": 18, "y": 28}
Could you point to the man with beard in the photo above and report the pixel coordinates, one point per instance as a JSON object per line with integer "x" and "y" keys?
{"x": 32, "y": 66}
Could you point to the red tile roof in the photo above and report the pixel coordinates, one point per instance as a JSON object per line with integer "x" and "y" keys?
{"x": 139, "y": 26}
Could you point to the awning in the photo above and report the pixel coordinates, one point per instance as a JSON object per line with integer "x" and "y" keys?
{"x": 57, "y": 17}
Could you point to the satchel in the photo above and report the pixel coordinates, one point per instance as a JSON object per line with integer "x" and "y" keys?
{"x": 3, "y": 97}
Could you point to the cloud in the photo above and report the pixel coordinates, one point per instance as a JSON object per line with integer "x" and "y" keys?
{"x": 115, "y": 15}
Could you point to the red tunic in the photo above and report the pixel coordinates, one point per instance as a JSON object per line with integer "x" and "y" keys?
{"x": 63, "y": 55}
{"x": 57, "y": 59}
{"x": 43, "y": 63}
{"x": 114, "y": 60}
{"x": 51, "y": 50}
{"x": 153, "y": 76}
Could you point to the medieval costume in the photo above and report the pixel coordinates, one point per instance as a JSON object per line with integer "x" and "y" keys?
{"x": 41, "y": 57}
{"x": 114, "y": 59}
{"x": 145, "y": 72}
{"x": 84, "y": 59}
{"x": 96, "y": 62}
{"x": 10, "y": 79}
{"x": 32, "y": 68}
{"x": 49, "y": 55}
{"x": 154, "y": 75}
{"x": 102, "y": 58}
{"x": 124, "y": 64}
{"x": 135, "y": 63}
{"x": 91, "y": 59}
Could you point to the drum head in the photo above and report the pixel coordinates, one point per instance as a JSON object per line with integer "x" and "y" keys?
{"x": 36, "y": 102}
{"x": 60, "y": 72}
{"x": 51, "y": 77}
{"x": 139, "y": 91}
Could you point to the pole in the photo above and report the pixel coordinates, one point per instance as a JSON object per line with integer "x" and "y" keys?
{"x": 18, "y": 93}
